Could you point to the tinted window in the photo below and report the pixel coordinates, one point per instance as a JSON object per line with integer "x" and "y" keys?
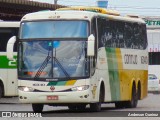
{"x": 5, "y": 34}
{"x": 121, "y": 34}
{"x": 154, "y": 58}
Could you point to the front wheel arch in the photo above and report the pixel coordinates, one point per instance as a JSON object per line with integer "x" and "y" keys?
{"x": 96, "y": 107}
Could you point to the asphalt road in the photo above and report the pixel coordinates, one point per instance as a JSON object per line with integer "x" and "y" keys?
{"x": 148, "y": 106}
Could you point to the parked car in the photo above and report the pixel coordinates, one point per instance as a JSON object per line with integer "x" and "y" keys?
{"x": 153, "y": 83}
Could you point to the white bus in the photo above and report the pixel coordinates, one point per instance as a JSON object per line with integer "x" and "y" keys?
{"x": 81, "y": 55}
{"x": 154, "y": 52}
{"x": 8, "y": 68}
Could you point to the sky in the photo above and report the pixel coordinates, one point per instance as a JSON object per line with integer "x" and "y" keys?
{"x": 133, "y": 7}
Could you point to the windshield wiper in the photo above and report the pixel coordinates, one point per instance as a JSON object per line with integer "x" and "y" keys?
{"x": 44, "y": 64}
{"x": 60, "y": 65}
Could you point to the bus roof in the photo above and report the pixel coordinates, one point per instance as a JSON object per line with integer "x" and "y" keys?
{"x": 92, "y": 9}
{"x": 86, "y": 13}
{"x": 9, "y": 24}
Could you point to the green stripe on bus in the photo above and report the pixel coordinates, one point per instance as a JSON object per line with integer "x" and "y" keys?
{"x": 5, "y": 63}
{"x": 56, "y": 83}
{"x": 61, "y": 83}
{"x": 113, "y": 74}
{"x": 53, "y": 83}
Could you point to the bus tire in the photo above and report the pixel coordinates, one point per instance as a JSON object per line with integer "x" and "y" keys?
{"x": 37, "y": 108}
{"x": 139, "y": 91}
{"x": 134, "y": 100}
{"x": 96, "y": 107}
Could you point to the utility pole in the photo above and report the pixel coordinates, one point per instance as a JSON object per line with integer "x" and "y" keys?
{"x": 55, "y": 3}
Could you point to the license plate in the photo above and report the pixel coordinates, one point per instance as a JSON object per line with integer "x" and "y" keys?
{"x": 52, "y": 97}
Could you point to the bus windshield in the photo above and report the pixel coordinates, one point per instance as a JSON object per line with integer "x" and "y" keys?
{"x": 53, "y": 59}
{"x": 54, "y": 29}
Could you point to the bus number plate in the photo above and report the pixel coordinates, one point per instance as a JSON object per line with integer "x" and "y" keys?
{"x": 52, "y": 97}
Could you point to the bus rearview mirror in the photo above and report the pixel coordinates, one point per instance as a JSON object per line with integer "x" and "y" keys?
{"x": 10, "y": 46}
{"x": 90, "y": 46}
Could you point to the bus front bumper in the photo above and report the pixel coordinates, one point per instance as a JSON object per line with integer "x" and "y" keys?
{"x": 54, "y": 97}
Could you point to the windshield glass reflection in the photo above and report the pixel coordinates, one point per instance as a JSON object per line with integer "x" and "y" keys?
{"x": 54, "y": 29}
{"x": 53, "y": 59}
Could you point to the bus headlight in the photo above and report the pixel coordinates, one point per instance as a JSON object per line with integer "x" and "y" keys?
{"x": 80, "y": 88}
{"x": 26, "y": 89}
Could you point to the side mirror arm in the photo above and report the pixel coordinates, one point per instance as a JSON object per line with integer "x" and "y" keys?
{"x": 10, "y": 47}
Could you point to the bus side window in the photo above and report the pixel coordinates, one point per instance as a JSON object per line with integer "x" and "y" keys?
{"x": 128, "y": 35}
{"x": 104, "y": 33}
{"x": 144, "y": 42}
{"x": 120, "y": 34}
{"x": 154, "y": 58}
{"x": 5, "y": 35}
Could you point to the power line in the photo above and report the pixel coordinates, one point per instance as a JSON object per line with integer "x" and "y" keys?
{"x": 147, "y": 8}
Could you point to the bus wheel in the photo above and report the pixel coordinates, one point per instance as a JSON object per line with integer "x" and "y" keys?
{"x": 37, "y": 108}
{"x": 139, "y": 91}
{"x": 96, "y": 107}
{"x": 134, "y": 100}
